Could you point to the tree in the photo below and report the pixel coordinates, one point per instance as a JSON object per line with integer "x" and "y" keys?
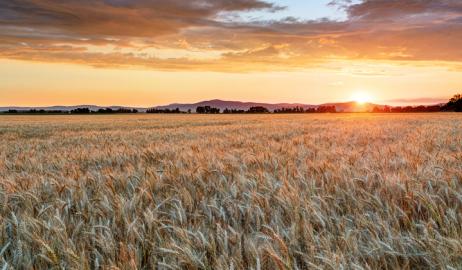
{"x": 214, "y": 110}
{"x": 105, "y": 111}
{"x": 326, "y": 109}
{"x": 207, "y": 110}
{"x": 290, "y": 110}
{"x": 167, "y": 110}
{"x": 200, "y": 110}
{"x": 258, "y": 109}
{"x": 454, "y": 104}
{"x": 81, "y": 111}
{"x": 232, "y": 111}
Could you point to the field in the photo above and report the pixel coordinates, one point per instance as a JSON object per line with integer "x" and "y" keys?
{"x": 342, "y": 191}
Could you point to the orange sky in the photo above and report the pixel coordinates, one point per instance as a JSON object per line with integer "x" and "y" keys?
{"x": 145, "y": 53}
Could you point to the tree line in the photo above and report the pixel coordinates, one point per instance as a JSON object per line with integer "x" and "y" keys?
{"x": 407, "y": 109}
{"x": 454, "y": 105}
{"x": 34, "y": 111}
{"x": 320, "y": 109}
{"x": 103, "y": 111}
{"x": 74, "y": 111}
{"x": 170, "y": 111}
{"x": 211, "y": 110}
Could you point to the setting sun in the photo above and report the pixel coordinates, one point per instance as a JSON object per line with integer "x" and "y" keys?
{"x": 361, "y": 97}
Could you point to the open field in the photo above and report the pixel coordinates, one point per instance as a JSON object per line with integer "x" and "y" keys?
{"x": 351, "y": 191}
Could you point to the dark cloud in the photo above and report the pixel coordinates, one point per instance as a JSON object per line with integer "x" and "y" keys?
{"x": 63, "y": 31}
{"x": 135, "y": 18}
{"x": 386, "y": 9}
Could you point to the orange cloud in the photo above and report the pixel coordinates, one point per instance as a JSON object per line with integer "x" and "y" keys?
{"x": 126, "y": 31}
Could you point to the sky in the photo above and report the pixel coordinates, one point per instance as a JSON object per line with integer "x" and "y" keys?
{"x": 153, "y": 52}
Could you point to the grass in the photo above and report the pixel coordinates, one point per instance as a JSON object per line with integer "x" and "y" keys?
{"x": 344, "y": 191}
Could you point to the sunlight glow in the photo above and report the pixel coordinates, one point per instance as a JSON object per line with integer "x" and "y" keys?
{"x": 361, "y": 97}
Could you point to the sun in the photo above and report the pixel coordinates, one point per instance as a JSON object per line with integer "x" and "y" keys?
{"x": 361, "y": 97}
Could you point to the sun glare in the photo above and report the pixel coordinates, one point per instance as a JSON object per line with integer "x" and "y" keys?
{"x": 361, "y": 97}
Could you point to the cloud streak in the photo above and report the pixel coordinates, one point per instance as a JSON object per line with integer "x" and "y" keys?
{"x": 144, "y": 33}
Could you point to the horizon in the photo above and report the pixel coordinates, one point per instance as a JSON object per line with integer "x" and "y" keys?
{"x": 270, "y": 51}
{"x": 424, "y": 102}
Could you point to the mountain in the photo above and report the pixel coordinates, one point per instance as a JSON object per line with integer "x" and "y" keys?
{"x": 222, "y": 104}
{"x": 217, "y": 103}
{"x": 68, "y": 108}
{"x": 238, "y": 105}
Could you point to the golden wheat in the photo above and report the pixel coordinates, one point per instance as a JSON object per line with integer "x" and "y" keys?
{"x": 346, "y": 191}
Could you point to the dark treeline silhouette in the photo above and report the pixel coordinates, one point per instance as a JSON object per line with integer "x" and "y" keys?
{"x": 111, "y": 111}
{"x": 34, "y": 111}
{"x": 407, "y": 109}
{"x": 171, "y": 111}
{"x": 103, "y": 111}
{"x": 233, "y": 111}
{"x": 81, "y": 111}
{"x": 258, "y": 109}
{"x": 326, "y": 109}
{"x": 454, "y": 105}
{"x": 320, "y": 109}
{"x": 290, "y": 110}
{"x": 75, "y": 111}
{"x": 207, "y": 110}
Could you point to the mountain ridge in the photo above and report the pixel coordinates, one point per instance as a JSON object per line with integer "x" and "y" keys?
{"x": 350, "y": 106}
{"x": 238, "y": 105}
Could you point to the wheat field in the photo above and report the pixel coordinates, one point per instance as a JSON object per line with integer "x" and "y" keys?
{"x": 342, "y": 191}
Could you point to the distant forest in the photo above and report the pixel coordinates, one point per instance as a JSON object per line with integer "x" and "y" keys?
{"x": 75, "y": 111}
{"x": 454, "y": 105}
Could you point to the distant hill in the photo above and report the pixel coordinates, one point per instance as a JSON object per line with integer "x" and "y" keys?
{"x": 68, "y": 108}
{"x": 238, "y": 105}
{"x": 217, "y": 103}
{"x": 222, "y": 104}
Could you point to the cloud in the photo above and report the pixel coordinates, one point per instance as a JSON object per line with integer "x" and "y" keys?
{"x": 385, "y": 9}
{"x": 127, "y": 18}
{"x": 125, "y": 33}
